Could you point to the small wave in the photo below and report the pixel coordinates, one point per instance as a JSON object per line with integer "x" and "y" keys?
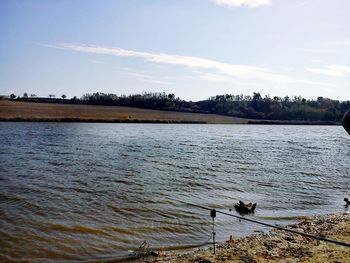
{"x": 9, "y": 198}
{"x": 119, "y": 230}
{"x": 13, "y": 200}
{"x": 120, "y": 181}
{"x": 80, "y": 229}
{"x": 161, "y": 229}
{"x": 56, "y": 163}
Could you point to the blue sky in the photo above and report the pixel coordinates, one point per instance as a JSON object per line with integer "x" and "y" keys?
{"x": 193, "y": 48}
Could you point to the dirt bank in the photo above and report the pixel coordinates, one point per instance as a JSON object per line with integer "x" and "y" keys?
{"x": 278, "y": 245}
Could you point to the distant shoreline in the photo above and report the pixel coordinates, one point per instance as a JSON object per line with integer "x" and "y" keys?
{"x": 98, "y": 120}
{"x": 275, "y": 122}
{"x": 77, "y": 120}
{"x": 14, "y": 111}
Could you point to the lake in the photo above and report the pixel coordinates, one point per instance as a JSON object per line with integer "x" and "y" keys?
{"x": 84, "y": 191}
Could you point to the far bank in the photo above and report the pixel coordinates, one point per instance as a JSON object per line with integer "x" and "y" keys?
{"x": 55, "y": 112}
{"x": 58, "y": 112}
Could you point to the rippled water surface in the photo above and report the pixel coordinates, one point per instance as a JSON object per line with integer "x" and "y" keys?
{"x": 72, "y": 191}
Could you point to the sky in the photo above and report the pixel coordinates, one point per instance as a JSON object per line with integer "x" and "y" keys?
{"x": 192, "y": 48}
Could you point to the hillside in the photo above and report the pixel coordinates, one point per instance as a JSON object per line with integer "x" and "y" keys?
{"x": 30, "y": 111}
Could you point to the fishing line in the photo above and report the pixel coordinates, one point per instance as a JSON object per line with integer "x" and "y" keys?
{"x": 266, "y": 224}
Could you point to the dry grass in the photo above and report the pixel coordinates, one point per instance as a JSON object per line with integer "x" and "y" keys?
{"x": 29, "y": 111}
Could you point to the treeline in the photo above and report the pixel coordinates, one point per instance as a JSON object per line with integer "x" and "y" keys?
{"x": 252, "y": 107}
{"x": 277, "y": 108}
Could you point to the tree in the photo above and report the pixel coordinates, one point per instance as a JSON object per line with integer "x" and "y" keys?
{"x": 256, "y": 96}
{"x": 171, "y": 96}
{"x": 253, "y": 106}
{"x": 51, "y": 96}
{"x": 12, "y": 96}
{"x": 25, "y": 95}
{"x": 256, "y": 101}
{"x": 63, "y": 96}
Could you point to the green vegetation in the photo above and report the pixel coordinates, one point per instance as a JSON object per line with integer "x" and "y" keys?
{"x": 251, "y": 107}
{"x": 276, "y": 108}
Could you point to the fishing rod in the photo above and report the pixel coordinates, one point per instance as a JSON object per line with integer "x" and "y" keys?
{"x": 265, "y": 224}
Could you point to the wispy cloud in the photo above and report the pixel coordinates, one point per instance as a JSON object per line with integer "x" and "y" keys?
{"x": 314, "y": 83}
{"x": 211, "y": 77}
{"x": 232, "y": 70}
{"x": 331, "y": 70}
{"x": 157, "y": 81}
{"x": 238, "y": 3}
{"x": 146, "y": 78}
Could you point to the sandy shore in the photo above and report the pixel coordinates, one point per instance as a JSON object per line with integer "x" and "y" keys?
{"x": 278, "y": 245}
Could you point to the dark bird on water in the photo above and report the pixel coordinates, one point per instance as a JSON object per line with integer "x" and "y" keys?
{"x": 245, "y": 208}
{"x": 347, "y": 202}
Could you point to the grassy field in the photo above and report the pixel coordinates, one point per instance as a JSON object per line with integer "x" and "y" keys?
{"x": 29, "y": 111}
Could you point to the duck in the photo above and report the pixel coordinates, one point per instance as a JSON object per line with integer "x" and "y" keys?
{"x": 347, "y": 202}
{"x": 243, "y": 208}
